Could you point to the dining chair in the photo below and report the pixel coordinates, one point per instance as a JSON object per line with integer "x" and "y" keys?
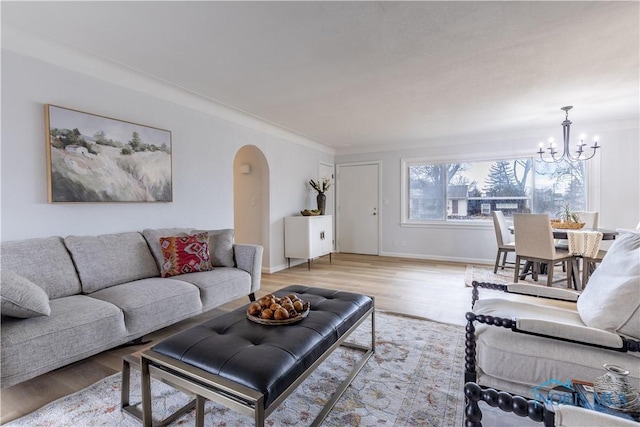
{"x": 534, "y": 243}
{"x": 503, "y": 239}
{"x": 590, "y": 219}
{"x": 589, "y": 264}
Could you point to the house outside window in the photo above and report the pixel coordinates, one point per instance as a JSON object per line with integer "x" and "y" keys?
{"x": 472, "y": 190}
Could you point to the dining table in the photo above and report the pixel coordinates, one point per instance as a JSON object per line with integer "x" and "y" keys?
{"x": 561, "y": 234}
{"x": 606, "y": 234}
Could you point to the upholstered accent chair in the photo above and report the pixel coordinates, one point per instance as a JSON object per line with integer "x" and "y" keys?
{"x": 516, "y": 345}
{"x": 503, "y": 239}
{"x": 535, "y": 243}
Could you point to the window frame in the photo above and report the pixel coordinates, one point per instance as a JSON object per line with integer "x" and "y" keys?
{"x": 592, "y": 170}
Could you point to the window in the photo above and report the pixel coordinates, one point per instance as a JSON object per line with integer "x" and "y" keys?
{"x": 558, "y": 184}
{"x": 472, "y": 190}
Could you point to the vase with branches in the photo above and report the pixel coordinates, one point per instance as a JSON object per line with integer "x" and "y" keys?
{"x": 321, "y": 186}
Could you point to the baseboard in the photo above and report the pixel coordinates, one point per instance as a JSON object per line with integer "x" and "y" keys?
{"x": 480, "y": 261}
{"x": 275, "y": 269}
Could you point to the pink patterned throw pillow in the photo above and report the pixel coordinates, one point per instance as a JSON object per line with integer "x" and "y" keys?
{"x": 185, "y": 254}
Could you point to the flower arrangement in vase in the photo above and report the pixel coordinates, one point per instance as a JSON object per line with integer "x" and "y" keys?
{"x": 321, "y": 186}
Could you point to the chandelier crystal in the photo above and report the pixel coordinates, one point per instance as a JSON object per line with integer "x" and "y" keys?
{"x": 554, "y": 155}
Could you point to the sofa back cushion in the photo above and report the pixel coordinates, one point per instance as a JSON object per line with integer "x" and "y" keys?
{"x": 45, "y": 262}
{"x": 111, "y": 259}
{"x": 153, "y": 235}
{"x": 611, "y": 300}
{"x": 220, "y": 246}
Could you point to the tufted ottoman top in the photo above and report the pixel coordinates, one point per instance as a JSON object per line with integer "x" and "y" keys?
{"x": 268, "y": 358}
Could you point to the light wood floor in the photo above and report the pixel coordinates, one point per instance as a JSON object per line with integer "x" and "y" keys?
{"x": 419, "y": 288}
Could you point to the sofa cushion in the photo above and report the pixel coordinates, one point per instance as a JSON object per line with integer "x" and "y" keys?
{"x": 111, "y": 259}
{"x": 151, "y": 304}
{"x": 153, "y": 235}
{"x": 22, "y": 298}
{"x": 220, "y": 285}
{"x": 185, "y": 254}
{"x": 45, "y": 262}
{"x": 611, "y": 300}
{"x": 78, "y": 327}
{"x": 220, "y": 246}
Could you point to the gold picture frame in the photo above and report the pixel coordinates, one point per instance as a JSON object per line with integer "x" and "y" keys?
{"x": 97, "y": 159}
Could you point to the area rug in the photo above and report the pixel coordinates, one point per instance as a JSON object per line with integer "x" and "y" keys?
{"x": 484, "y": 273}
{"x": 414, "y": 379}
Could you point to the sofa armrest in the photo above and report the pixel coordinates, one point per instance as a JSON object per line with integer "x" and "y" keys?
{"x": 565, "y": 331}
{"x": 249, "y": 259}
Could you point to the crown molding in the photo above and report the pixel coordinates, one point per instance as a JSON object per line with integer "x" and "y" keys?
{"x": 62, "y": 55}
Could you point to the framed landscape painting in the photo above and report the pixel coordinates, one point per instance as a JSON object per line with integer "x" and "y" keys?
{"x": 91, "y": 158}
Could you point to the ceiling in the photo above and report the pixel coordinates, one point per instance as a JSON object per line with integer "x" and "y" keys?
{"x": 364, "y": 74}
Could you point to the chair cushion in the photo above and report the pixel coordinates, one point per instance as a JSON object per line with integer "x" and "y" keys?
{"x": 220, "y": 246}
{"x": 185, "y": 254}
{"x": 611, "y": 301}
{"x": 22, "y": 298}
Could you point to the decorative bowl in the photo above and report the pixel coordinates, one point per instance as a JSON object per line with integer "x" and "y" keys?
{"x": 561, "y": 225}
{"x": 274, "y": 322}
{"x": 257, "y": 311}
{"x": 308, "y": 212}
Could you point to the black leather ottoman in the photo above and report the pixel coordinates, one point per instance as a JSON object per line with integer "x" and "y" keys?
{"x": 252, "y": 368}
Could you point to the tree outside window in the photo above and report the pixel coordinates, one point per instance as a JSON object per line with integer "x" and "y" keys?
{"x": 472, "y": 190}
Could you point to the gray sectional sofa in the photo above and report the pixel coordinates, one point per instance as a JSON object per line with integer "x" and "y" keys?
{"x": 77, "y": 296}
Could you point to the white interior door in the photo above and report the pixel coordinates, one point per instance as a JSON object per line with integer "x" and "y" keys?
{"x": 358, "y": 208}
{"x": 325, "y": 170}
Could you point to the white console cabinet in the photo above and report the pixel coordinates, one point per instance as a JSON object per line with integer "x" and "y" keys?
{"x": 308, "y": 237}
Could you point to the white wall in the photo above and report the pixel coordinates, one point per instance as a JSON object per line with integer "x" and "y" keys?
{"x": 616, "y": 193}
{"x": 204, "y": 148}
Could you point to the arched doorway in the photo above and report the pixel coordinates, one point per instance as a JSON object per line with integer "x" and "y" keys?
{"x": 251, "y": 199}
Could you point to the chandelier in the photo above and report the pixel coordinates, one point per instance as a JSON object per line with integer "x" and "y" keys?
{"x": 554, "y": 155}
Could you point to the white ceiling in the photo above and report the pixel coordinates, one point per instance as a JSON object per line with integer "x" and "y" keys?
{"x": 356, "y": 74}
